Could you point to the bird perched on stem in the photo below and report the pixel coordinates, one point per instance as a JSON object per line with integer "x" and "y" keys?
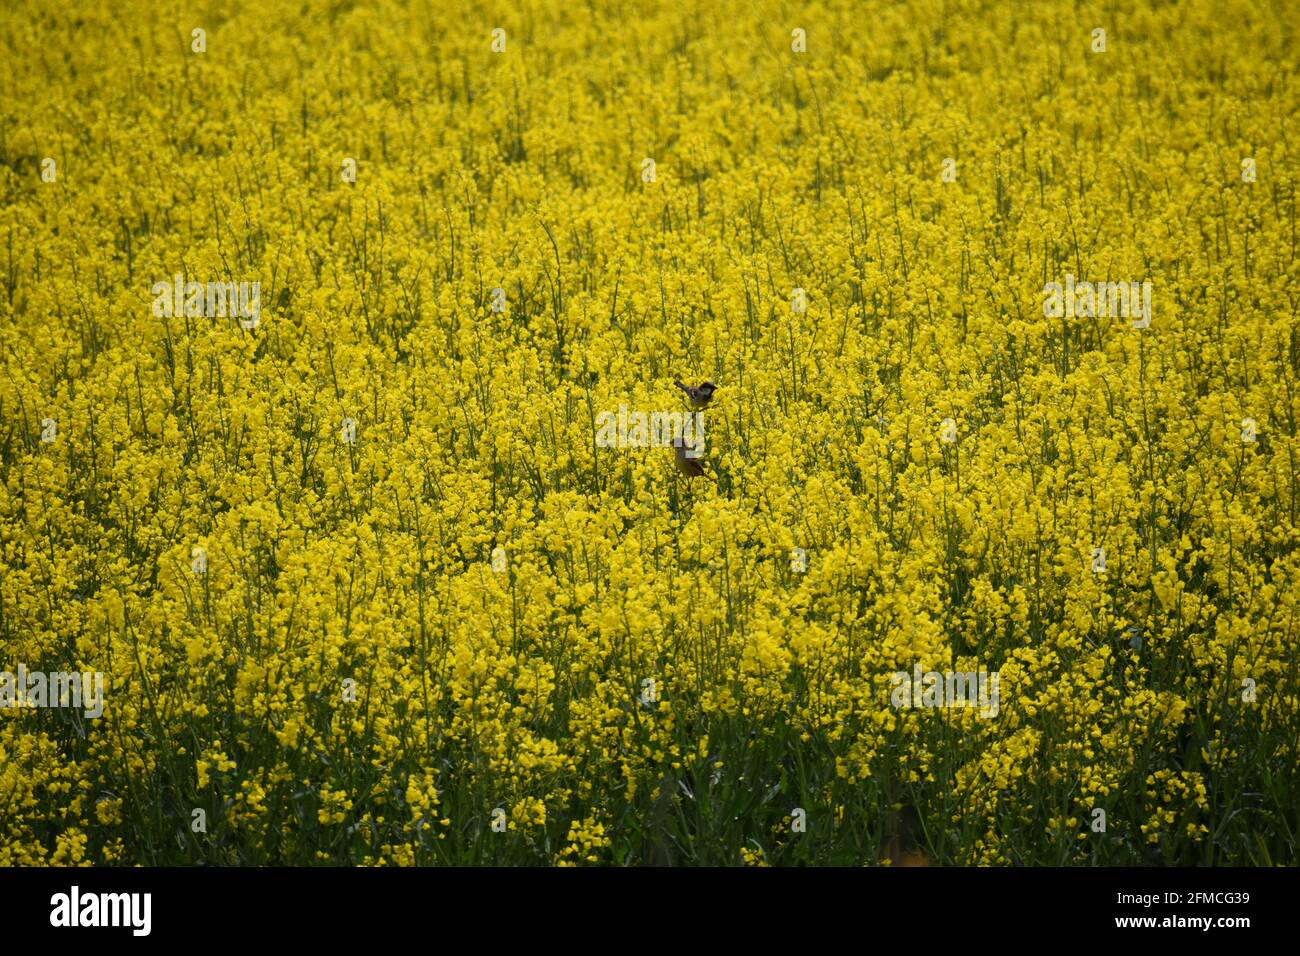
{"x": 687, "y": 465}
{"x": 698, "y": 395}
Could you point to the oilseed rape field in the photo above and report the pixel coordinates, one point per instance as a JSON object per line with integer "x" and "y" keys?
{"x": 352, "y": 512}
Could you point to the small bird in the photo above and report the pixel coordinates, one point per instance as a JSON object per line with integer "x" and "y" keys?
{"x": 698, "y": 395}
{"x": 688, "y": 466}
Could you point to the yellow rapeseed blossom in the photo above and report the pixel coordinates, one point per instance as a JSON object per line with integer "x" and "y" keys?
{"x": 310, "y": 328}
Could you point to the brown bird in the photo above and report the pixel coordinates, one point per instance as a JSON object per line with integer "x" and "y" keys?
{"x": 688, "y": 466}
{"x": 698, "y": 395}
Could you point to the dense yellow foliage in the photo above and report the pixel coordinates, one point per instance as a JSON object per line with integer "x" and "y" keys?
{"x": 525, "y": 690}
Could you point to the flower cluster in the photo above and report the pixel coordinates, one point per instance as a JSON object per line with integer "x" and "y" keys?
{"x": 366, "y": 589}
